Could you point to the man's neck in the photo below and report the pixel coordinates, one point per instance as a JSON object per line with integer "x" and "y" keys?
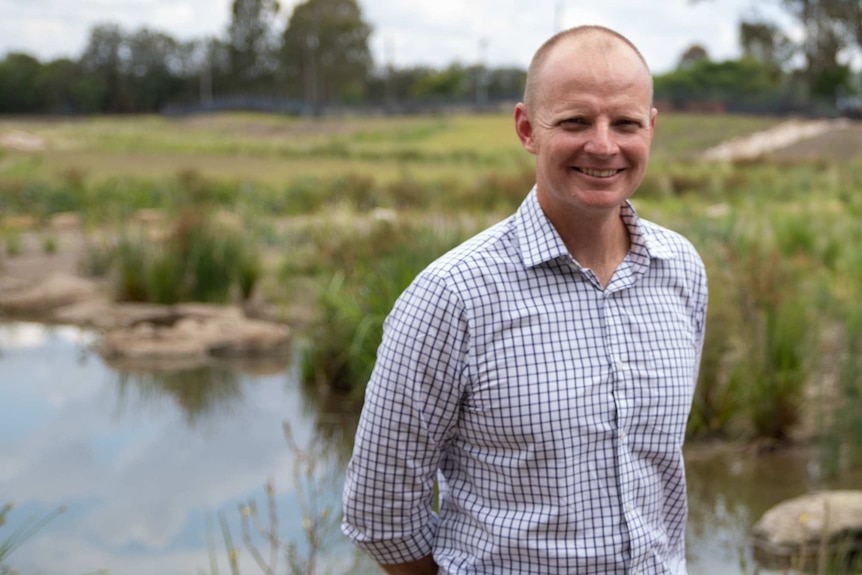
{"x": 597, "y": 243}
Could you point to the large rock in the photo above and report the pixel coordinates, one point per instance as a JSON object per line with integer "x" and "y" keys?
{"x": 44, "y": 297}
{"x": 808, "y": 529}
{"x": 189, "y": 333}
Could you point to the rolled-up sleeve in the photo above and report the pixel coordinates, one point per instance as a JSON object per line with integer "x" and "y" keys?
{"x": 410, "y": 410}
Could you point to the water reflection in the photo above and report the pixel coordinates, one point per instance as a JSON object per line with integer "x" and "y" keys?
{"x": 730, "y": 489}
{"x": 142, "y": 460}
{"x": 146, "y": 460}
{"x": 197, "y": 392}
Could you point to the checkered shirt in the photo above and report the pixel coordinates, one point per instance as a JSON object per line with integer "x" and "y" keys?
{"x": 551, "y": 410}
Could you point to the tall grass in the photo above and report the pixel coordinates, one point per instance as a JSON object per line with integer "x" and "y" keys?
{"x": 341, "y": 345}
{"x": 199, "y": 260}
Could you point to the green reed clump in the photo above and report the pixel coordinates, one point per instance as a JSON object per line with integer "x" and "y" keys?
{"x": 716, "y": 403}
{"x": 842, "y": 436}
{"x": 199, "y": 260}
{"x": 342, "y": 342}
{"x": 776, "y": 326}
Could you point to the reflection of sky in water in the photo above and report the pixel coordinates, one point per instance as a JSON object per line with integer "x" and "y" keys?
{"x": 140, "y": 483}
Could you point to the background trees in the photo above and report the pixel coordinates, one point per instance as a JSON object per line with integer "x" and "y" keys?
{"x": 318, "y": 56}
{"x": 325, "y": 52}
{"x": 252, "y": 43}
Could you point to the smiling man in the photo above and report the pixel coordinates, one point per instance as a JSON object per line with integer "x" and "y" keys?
{"x": 543, "y": 371}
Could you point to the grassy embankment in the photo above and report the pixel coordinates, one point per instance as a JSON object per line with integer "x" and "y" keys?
{"x": 343, "y": 212}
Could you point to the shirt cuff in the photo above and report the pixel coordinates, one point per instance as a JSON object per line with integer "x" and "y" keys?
{"x": 394, "y": 551}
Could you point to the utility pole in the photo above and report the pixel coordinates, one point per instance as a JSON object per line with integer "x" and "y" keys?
{"x": 310, "y": 51}
{"x": 388, "y": 88}
{"x": 558, "y": 17}
{"x": 482, "y": 74}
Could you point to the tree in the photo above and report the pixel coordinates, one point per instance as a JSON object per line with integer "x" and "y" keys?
{"x": 151, "y": 66}
{"x": 252, "y": 40}
{"x": 741, "y": 83}
{"x": 826, "y": 35}
{"x": 325, "y": 52}
{"x": 765, "y": 43}
{"x": 18, "y": 73}
{"x": 829, "y": 27}
{"x": 59, "y": 85}
{"x": 692, "y": 55}
{"x": 102, "y": 62}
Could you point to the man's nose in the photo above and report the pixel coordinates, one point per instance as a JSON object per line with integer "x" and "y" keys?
{"x": 601, "y": 141}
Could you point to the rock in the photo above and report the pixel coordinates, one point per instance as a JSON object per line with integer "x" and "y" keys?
{"x": 803, "y": 529}
{"x": 199, "y": 332}
{"x": 42, "y": 298}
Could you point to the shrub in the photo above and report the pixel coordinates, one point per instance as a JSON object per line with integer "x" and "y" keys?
{"x": 341, "y": 346}
{"x": 198, "y": 261}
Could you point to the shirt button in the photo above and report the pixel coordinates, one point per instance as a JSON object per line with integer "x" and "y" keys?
{"x": 623, "y": 435}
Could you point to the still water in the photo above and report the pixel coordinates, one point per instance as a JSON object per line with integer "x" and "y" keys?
{"x": 152, "y": 468}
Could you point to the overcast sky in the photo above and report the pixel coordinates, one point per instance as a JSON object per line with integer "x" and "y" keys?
{"x": 407, "y": 32}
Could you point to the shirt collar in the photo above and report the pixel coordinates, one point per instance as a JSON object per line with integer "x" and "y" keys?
{"x": 539, "y": 242}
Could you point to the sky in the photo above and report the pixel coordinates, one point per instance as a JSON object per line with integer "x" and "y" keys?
{"x": 408, "y": 32}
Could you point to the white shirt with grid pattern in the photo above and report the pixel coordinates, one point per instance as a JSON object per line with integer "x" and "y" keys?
{"x": 551, "y": 410}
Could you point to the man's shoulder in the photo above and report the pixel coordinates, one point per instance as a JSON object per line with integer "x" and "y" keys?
{"x": 671, "y": 241}
{"x": 484, "y": 250}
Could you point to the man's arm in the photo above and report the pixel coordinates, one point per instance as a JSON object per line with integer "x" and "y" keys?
{"x": 424, "y": 566}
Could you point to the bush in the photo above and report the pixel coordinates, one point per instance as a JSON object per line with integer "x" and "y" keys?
{"x": 198, "y": 261}
{"x": 342, "y": 343}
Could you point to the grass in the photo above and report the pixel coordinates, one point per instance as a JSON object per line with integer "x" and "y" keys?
{"x": 198, "y": 261}
{"x": 339, "y": 215}
{"x": 769, "y": 242}
{"x": 341, "y": 344}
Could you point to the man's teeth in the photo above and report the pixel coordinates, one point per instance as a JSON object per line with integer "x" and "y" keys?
{"x": 598, "y": 173}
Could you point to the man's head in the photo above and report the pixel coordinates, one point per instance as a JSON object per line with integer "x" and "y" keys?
{"x": 597, "y": 35}
{"x": 588, "y": 118}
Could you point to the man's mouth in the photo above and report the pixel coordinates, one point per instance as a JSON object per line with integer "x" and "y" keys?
{"x": 598, "y": 173}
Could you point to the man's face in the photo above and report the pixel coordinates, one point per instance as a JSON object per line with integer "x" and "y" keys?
{"x": 590, "y": 128}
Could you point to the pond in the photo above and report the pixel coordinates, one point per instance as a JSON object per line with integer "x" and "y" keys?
{"x": 152, "y": 468}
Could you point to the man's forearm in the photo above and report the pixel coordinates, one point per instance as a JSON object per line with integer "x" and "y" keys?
{"x": 424, "y": 566}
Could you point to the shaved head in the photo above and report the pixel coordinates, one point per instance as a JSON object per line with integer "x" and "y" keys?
{"x": 593, "y": 39}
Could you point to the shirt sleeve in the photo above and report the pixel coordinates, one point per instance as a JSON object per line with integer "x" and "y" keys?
{"x": 411, "y": 406}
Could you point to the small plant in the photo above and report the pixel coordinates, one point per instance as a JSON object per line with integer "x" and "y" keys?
{"x": 260, "y": 530}
{"x": 27, "y": 529}
{"x": 49, "y": 244}
{"x": 13, "y": 244}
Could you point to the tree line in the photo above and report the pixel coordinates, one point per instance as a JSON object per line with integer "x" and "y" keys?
{"x": 321, "y": 58}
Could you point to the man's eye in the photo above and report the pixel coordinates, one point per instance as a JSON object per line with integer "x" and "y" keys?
{"x": 629, "y": 124}
{"x": 574, "y": 122}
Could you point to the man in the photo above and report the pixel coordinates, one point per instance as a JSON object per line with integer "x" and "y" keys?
{"x": 543, "y": 371}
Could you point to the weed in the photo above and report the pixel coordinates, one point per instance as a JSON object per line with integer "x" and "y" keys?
{"x": 342, "y": 343}
{"x": 198, "y": 261}
{"x": 49, "y": 244}
{"x": 25, "y": 531}
{"x": 13, "y": 244}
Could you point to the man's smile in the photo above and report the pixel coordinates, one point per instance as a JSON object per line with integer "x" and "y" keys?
{"x": 598, "y": 173}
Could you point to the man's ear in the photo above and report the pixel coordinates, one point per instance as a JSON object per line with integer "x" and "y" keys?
{"x": 524, "y": 128}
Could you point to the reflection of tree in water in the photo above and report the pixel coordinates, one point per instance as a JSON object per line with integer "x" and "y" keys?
{"x": 337, "y": 417}
{"x": 198, "y": 391}
{"x": 729, "y": 489}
